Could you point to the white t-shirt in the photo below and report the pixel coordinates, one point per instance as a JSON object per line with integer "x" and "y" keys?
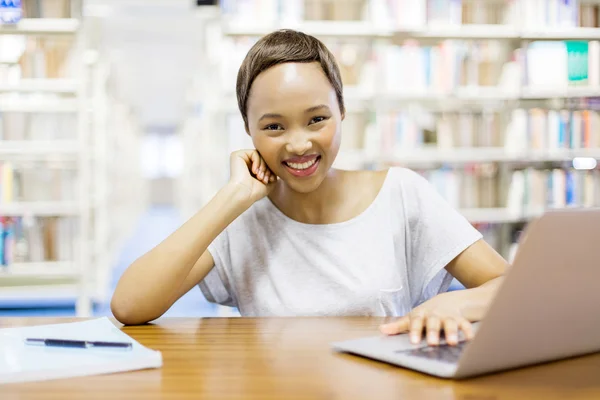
{"x": 385, "y": 261}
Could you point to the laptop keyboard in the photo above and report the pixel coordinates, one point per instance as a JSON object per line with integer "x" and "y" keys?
{"x": 443, "y": 353}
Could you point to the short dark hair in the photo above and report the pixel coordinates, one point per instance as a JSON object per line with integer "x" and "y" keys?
{"x": 280, "y": 47}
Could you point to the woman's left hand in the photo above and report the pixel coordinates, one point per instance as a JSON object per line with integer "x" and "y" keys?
{"x": 444, "y": 312}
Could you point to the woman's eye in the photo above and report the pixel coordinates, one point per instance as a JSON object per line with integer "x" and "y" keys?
{"x": 316, "y": 120}
{"x": 272, "y": 127}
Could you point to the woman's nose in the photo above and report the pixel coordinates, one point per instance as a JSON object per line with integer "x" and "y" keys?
{"x": 298, "y": 144}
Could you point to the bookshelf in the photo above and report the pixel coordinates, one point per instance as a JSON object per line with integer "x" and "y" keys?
{"x": 42, "y": 27}
{"x": 45, "y": 158}
{"x": 515, "y": 102}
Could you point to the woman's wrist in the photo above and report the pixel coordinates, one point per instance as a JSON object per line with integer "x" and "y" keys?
{"x": 237, "y": 195}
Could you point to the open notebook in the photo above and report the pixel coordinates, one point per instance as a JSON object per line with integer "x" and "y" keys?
{"x": 22, "y": 363}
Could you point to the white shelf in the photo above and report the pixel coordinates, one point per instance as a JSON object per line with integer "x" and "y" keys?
{"x": 560, "y": 93}
{"x": 461, "y": 94}
{"x": 49, "y": 269}
{"x": 39, "y": 209}
{"x": 562, "y": 34}
{"x": 466, "y": 32}
{"x": 358, "y": 99}
{"x": 315, "y": 28}
{"x": 38, "y": 105}
{"x": 467, "y": 155}
{"x": 41, "y": 26}
{"x": 498, "y": 215}
{"x": 369, "y": 30}
{"x": 38, "y": 148}
{"x": 39, "y": 292}
{"x": 59, "y": 86}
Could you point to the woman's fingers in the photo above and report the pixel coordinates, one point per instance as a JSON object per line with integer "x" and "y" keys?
{"x": 261, "y": 169}
{"x": 416, "y": 328}
{"x": 434, "y": 324}
{"x": 451, "y": 331}
{"x": 255, "y": 159}
{"x": 393, "y": 328}
{"x": 466, "y": 327}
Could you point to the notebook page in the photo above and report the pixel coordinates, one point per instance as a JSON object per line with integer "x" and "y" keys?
{"x": 20, "y": 362}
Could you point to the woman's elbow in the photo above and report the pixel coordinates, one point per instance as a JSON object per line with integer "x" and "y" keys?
{"x": 125, "y": 313}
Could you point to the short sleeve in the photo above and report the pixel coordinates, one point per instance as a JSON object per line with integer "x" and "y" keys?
{"x": 216, "y": 286}
{"x": 437, "y": 233}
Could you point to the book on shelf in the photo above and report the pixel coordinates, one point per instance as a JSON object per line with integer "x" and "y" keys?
{"x": 442, "y": 68}
{"x": 36, "y": 182}
{"x": 550, "y": 13}
{"x": 524, "y": 131}
{"x": 473, "y": 186}
{"x": 532, "y": 15}
{"x": 540, "y": 129}
{"x": 529, "y": 192}
{"x": 558, "y": 65}
{"x": 23, "y": 57}
{"x": 35, "y": 240}
{"x": 589, "y": 14}
{"x": 532, "y": 190}
{"x": 23, "y": 126}
{"x": 46, "y": 8}
{"x": 27, "y": 238}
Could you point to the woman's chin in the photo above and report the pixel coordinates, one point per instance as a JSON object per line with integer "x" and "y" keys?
{"x": 303, "y": 186}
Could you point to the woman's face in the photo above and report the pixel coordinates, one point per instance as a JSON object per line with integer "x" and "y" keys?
{"x": 294, "y": 120}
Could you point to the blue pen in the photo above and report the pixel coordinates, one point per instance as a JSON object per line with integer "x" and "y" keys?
{"x": 83, "y": 344}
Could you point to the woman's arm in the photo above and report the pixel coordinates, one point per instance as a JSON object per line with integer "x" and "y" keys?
{"x": 480, "y": 269}
{"x": 477, "y": 265}
{"x": 153, "y": 282}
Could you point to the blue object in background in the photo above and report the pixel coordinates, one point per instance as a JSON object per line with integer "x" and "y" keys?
{"x": 11, "y": 11}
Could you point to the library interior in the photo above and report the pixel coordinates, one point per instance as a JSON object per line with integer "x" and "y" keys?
{"x": 118, "y": 119}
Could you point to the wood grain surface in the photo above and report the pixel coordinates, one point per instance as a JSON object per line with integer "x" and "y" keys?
{"x": 290, "y": 358}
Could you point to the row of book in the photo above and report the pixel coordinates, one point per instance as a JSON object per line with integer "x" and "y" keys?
{"x": 418, "y": 13}
{"x": 35, "y": 185}
{"x": 36, "y": 239}
{"x": 27, "y": 57}
{"x": 407, "y": 130}
{"x": 559, "y": 64}
{"x": 474, "y": 186}
{"x": 553, "y": 129}
{"x": 37, "y": 126}
{"x": 453, "y": 64}
{"x": 46, "y": 8}
{"x": 441, "y": 68}
{"x": 524, "y": 129}
{"x": 415, "y": 14}
{"x": 551, "y": 13}
{"x": 445, "y": 68}
{"x": 530, "y": 190}
{"x": 589, "y": 15}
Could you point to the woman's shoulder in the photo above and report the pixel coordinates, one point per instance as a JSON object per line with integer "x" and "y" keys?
{"x": 368, "y": 182}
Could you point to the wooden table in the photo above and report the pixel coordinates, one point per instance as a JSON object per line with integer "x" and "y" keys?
{"x": 290, "y": 358}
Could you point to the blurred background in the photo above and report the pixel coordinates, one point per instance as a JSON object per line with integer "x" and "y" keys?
{"x": 117, "y": 118}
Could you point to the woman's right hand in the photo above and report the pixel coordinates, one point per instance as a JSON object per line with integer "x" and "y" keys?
{"x": 250, "y": 173}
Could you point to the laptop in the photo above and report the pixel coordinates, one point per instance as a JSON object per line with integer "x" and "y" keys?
{"x": 545, "y": 310}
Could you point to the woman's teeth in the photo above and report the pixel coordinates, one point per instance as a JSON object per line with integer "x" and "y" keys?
{"x": 305, "y": 165}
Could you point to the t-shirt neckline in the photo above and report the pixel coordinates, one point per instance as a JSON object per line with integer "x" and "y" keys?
{"x": 334, "y": 225}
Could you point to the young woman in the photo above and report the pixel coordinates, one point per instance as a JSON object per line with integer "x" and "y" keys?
{"x": 288, "y": 235}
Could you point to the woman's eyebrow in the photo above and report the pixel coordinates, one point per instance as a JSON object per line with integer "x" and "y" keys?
{"x": 316, "y": 108}
{"x": 269, "y": 115}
